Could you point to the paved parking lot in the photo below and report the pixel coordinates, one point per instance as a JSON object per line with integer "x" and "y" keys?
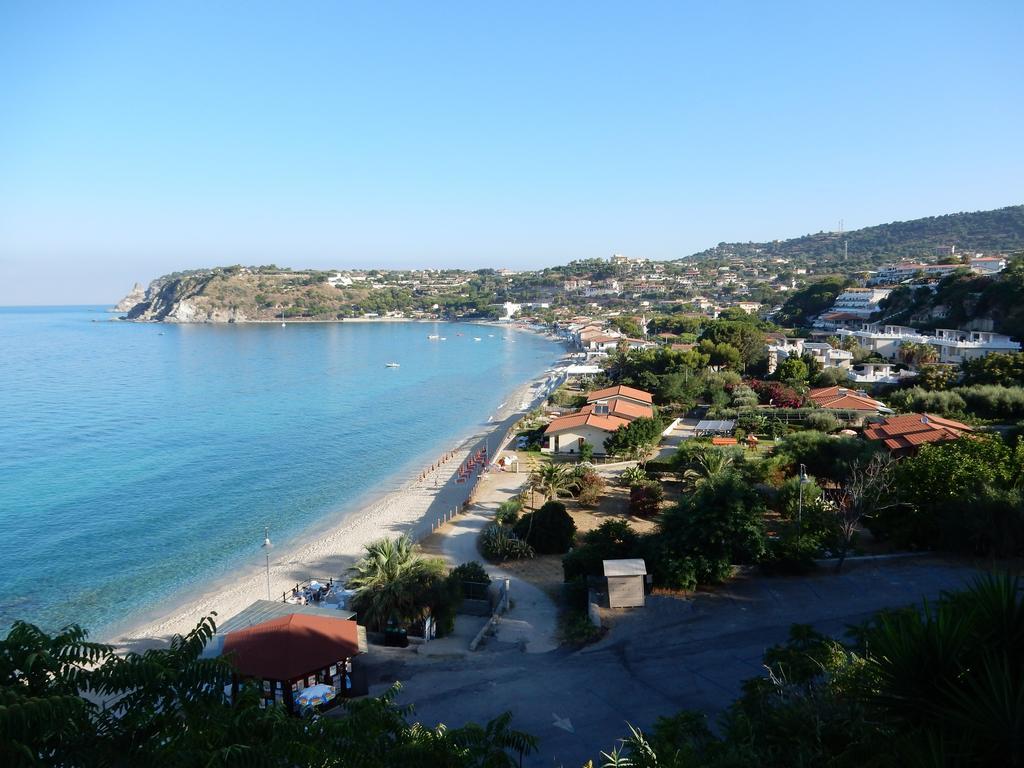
{"x": 673, "y": 654}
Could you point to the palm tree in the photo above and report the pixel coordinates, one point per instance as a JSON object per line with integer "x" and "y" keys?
{"x": 392, "y": 581}
{"x": 552, "y": 481}
{"x": 707, "y": 465}
{"x": 915, "y": 354}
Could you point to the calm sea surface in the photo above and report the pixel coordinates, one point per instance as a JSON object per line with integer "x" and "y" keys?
{"x": 138, "y": 460}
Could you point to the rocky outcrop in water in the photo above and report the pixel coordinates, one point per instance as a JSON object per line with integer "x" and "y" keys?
{"x": 171, "y": 300}
{"x": 135, "y": 295}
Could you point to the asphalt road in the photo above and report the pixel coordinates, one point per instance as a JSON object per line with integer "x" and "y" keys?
{"x": 671, "y": 655}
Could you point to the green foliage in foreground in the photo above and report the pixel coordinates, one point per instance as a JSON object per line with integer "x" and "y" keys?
{"x": 166, "y": 708}
{"x": 940, "y": 686}
{"x": 963, "y": 496}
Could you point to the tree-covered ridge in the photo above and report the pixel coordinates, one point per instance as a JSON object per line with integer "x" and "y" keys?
{"x": 997, "y": 231}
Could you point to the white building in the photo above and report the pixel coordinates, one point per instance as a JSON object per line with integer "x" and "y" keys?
{"x": 988, "y": 265}
{"x": 860, "y": 301}
{"x": 877, "y": 373}
{"x": 892, "y": 274}
{"x": 339, "y": 280}
{"x": 953, "y": 346}
{"x": 822, "y": 353}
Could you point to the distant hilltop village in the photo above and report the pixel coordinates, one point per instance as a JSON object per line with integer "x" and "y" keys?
{"x": 838, "y": 281}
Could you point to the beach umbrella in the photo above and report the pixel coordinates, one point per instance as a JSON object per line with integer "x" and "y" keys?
{"x": 315, "y": 695}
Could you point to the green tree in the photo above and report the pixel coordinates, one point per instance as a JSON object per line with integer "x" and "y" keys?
{"x": 916, "y": 354}
{"x": 963, "y": 495}
{"x": 392, "y": 583}
{"x": 805, "y": 304}
{"x": 553, "y": 480}
{"x": 720, "y": 524}
{"x": 792, "y": 369}
{"x": 549, "y": 531}
{"x": 166, "y": 707}
{"x": 635, "y": 439}
{"x": 708, "y": 463}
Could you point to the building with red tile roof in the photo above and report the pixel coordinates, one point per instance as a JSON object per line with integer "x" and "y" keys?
{"x": 905, "y": 434}
{"x": 606, "y": 411}
{"x": 617, "y": 406}
{"x": 628, "y": 393}
{"x": 567, "y": 434}
{"x": 843, "y": 399}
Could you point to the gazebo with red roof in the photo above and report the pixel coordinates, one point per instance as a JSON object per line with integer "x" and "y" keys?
{"x": 288, "y": 654}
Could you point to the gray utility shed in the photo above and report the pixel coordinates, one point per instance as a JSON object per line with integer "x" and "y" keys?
{"x": 625, "y": 582}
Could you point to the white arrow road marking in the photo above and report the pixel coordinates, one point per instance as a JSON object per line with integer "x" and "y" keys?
{"x": 564, "y": 723}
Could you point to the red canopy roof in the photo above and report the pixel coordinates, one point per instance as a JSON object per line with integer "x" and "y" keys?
{"x": 291, "y": 646}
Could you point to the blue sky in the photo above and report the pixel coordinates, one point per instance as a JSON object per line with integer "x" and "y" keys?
{"x": 139, "y": 138}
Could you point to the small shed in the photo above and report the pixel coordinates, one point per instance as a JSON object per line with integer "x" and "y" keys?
{"x": 625, "y": 582}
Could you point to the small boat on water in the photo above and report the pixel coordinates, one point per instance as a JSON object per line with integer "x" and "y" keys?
{"x": 391, "y": 365}
{"x": 477, "y": 338}
{"x": 434, "y": 337}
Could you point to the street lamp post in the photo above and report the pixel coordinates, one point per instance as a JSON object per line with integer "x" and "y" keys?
{"x": 266, "y": 548}
{"x": 800, "y": 505}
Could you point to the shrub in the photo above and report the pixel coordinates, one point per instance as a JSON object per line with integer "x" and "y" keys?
{"x": 831, "y": 377}
{"x": 612, "y": 540}
{"x": 586, "y": 452}
{"x": 591, "y": 488}
{"x": 822, "y": 421}
{"x": 472, "y": 571}
{"x": 498, "y": 544}
{"x": 577, "y": 630}
{"x": 508, "y": 512}
{"x": 659, "y": 466}
{"x": 549, "y": 531}
{"x": 633, "y": 475}
{"x": 744, "y": 397}
{"x": 645, "y": 498}
{"x": 752, "y": 422}
{"x": 777, "y": 394}
{"x": 993, "y": 401}
{"x": 942, "y": 403}
{"x": 791, "y": 555}
{"x": 719, "y": 524}
{"x": 825, "y": 456}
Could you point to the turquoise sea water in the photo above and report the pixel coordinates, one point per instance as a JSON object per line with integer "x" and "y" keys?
{"x": 137, "y": 460}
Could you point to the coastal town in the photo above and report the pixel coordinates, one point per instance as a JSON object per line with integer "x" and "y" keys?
{"x": 736, "y": 429}
{"x": 511, "y": 385}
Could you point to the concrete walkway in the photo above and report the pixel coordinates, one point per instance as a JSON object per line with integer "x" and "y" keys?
{"x": 532, "y": 623}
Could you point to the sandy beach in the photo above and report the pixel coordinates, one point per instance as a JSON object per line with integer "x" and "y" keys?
{"x": 413, "y": 509}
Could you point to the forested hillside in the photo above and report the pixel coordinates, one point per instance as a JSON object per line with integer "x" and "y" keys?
{"x": 996, "y": 231}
